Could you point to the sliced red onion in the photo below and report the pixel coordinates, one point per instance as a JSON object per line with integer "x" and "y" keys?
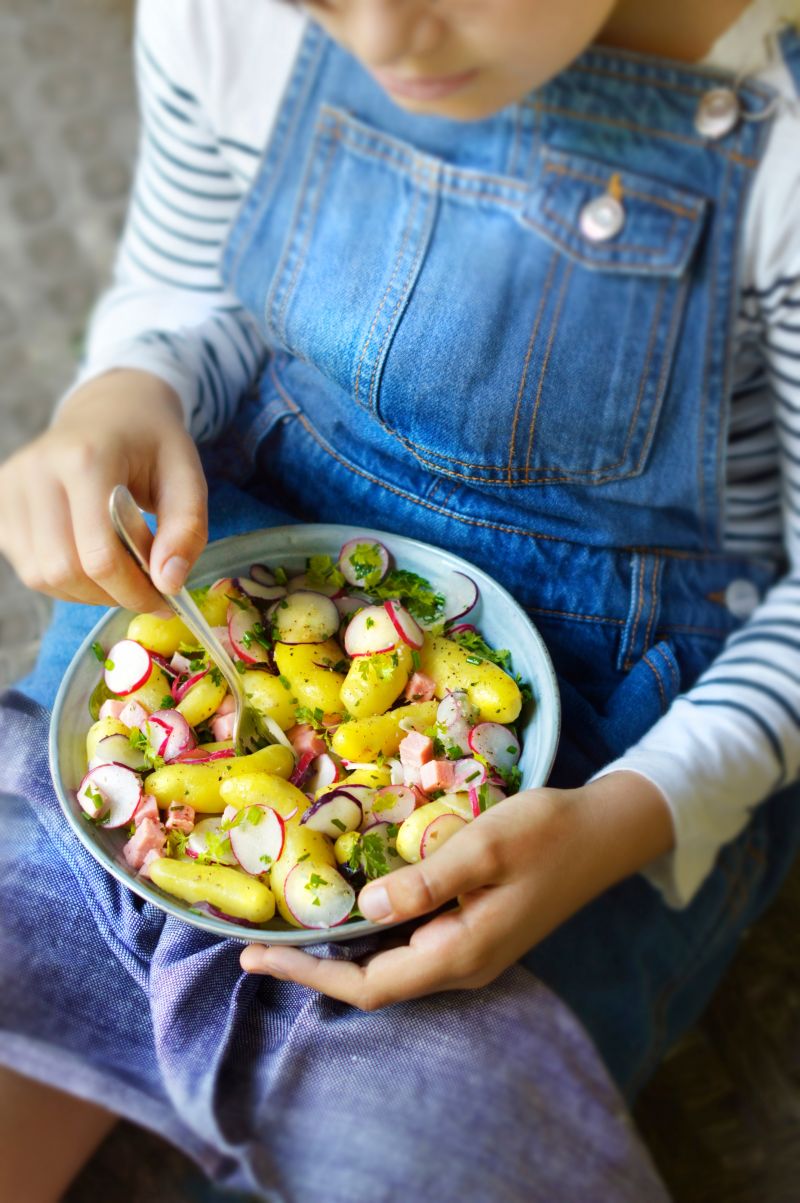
{"x": 181, "y": 685}
{"x": 259, "y": 592}
{"x": 333, "y": 814}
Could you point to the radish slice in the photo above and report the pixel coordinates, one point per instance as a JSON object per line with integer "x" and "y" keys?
{"x": 463, "y": 628}
{"x": 259, "y": 592}
{"x": 484, "y": 797}
{"x": 305, "y": 583}
{"x": 180, "y": 665}
{"x": 207, "y": 840}
{"x": 498, "y": 746}
{"x": 363, "y": 563}
{"x": 117, "y": 749}
{"x": 407, "y": 627}
{"x": 334, "y": 814}
{"x": 257, "y": 835}
{"x": 379, "y": 853}
{"x": 244, "y": 630}
{"x": 369, "y": 632}
{"x": 305, "y": 617}
{"x": 397, "y": 771}
{"x": 362, "y": 794}
{"x": 324, "y": 771}
{"x": 317, "y": 895}
{"x": 262, "y": 575}
{"x": 455, "y": 707}
{"x": 468, "y": 774}
{"x": 438, "y": 832}
{"x": 128, "y": 665}
{"x": 462, "y": 596}
{"x": 392, "y": 804}
{"x": 157, "y": 735}
{"x": 348, "y": 603}
{"x": 179, "y": 735}
{"x": 181, "y": 685}
{"x": 109, "y": 794}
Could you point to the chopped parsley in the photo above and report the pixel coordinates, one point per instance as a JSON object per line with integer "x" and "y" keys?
{"x": 415, "y": 660}
{"x": 479, "y": 649}
{"x": 280, "y": 576}
{"x": 339, "y": 825}
{"x": 322, "y": 571}
{"x": 367, "y": 563}
{"x": 312, "y": 718}
{"x": 413, "y": 591}
{"x": 238, "y": 602}
{"x": 99, "y": 653}
{"x": 373, "y": 855}
{"x": 167, "y": 702}
{"x": 138, "y": 740}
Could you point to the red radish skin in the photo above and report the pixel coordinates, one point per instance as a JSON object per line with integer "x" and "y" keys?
{"x": 484, "y": 797}
{"x": 468, "y": 774}
{"x": 370, "y": 632}
{"x": 256, "y": 843}
{"x": 131, "y": 665}
{"x": 462, "y": 597}
{"x": 407, "y": 627}
{"x": 438, "y": 832}
{"x": 182, "y": 685}
{"x": 120, "y": 793}
{"x": 200, "y": 756}
{"x": 496, "y": 744}
{"x": 333, "y": 815}
{"x": 348, "y": 603}
{"x": 317, "y": 896}
{"x": 117, "y": 749}
{"x": 258, "y": 592}
{"x": 304, "y": 584}
{"x": 180, "y": 737}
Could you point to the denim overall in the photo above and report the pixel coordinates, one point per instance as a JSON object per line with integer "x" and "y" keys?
{"x": 453, "y": 359}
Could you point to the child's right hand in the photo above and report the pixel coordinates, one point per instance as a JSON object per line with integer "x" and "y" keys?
{"x": 125, "y": 427}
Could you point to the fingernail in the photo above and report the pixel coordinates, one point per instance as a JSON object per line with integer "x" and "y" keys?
{"x": 373, "y": 902}
{"x": 174, "y": 572}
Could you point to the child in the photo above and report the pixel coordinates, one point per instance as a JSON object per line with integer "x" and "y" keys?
{"x": 528, "y": 300}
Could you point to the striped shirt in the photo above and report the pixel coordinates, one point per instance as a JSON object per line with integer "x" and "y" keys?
{"x": 211, "y": 74}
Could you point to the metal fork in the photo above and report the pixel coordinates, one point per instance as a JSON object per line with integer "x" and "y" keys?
{"x": 249, "y": 729}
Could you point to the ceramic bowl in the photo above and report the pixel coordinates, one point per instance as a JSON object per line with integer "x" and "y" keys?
{"x": 500, "y": 619}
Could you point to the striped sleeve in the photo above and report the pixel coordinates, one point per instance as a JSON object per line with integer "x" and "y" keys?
{"x": 734, "y": 738}
{"x": 168, "y": 311}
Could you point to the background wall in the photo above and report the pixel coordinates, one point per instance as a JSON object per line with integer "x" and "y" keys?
{"x": 723, "y": 1114}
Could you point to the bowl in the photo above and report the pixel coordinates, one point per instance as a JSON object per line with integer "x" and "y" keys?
{"x": 500, "y": 619}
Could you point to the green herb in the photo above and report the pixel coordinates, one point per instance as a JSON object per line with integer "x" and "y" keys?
{"x": 312, "y": 718}
{"x": 454, "y": 752}
{"x": 339, "y": 824}
{"x": 167, "y": 702}
{"x": 97, "y": 648}
{"x": 413, "y": 591}
{"x": 367, "y": 563}
{"x": 374, "y": 856}
{"x": 138, "y": 740}
{"x": 415, "y": 660}
{"x": 93, "y": 795}
{"x": 284, "y": 682}
{"x": 238, "y": 602}
{"x": 241, "y": 666}
{"x": 370, "y": 622}
{"x": 305, "y": 856}
{"x": 321, "y": 571}
{"x": 265, "y": 860}
{"x": 280, "y": 576}
{"x": 176, "y": 842}
{"x": 215, "y": 674}
{"x": 108, "y": 664}
{"x": 479, "y": 649}
{"x": 341, "y": 666}
{"x": 315, "y": 882}
{"x": 473, "y": 659}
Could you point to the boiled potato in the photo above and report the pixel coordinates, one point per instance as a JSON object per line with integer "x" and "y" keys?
{"x": 363, "y": 739}
{"x": 314, "y": 687}
{"x": 411, "y": 830}
{"x": 265, "y": 789}
{"x": 162, "y": 635}
{"x": 100, "y": 730}
{"x": 493, "y": 692}
{"x": 202, "y": 700}
{"x": 156, "y": 688}
{"x": 374, "y": 682}
{"x": 270, "y": 697}
{"x": 199, "y": 784}
{"x": 229, "y": 890}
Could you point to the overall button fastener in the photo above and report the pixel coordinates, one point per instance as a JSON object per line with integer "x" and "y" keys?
{"x": 718, "y": 112}
{"x": 741, "y": 598}
{"x": 602, "y": 218}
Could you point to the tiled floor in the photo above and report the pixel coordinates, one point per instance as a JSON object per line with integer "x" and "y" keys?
{"x": 723, "y": 1114}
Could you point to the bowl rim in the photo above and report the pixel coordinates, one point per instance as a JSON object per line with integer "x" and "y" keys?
{"x": 224, "y": 928}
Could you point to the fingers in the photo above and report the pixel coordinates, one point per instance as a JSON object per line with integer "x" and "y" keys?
{"x": 469, "y": 860}
{"x": 181, "y": 502}
{"x": 53, "y": 565}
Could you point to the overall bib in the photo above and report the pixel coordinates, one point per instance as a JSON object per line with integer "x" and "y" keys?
{"x": 453, "y": 359}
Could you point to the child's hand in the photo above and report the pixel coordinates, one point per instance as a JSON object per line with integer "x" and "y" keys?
{"x": 518, "y": 871}
{"x": 122, "y": 428}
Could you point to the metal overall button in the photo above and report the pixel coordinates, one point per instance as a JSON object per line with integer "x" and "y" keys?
{"x": 741, "y": 598}
{"x": 718, "y": 112}
{"x": 602, "y": 218}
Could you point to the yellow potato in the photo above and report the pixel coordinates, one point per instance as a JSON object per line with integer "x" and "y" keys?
{"x": 376, "y": 778}
{"x": 411, "y": 830}
{"x": 162, "y": 635}
{"x": 345, "y": 845}
{"x": 493, "y": 692}
{"x": 229, "y": 890}
{"x": 313, "y": 687}
{"x": 270, "y": 697}
{"x": 199, "y": 784}
{"x": 380, "y": 734}
{"x": 268, "y": 790}
{"x": 374, "y": 682}
{"x": 153, "y": 692}
{"x": 214, "y": 603}
{"x": 202, "y": 700}
{"x": 100, "y": 730}
{"x": 301, "y": 843}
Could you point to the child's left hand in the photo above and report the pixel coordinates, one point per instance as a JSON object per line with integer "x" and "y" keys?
{"x": 518, "y": 872}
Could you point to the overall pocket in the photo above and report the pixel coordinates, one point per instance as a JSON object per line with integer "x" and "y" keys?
{"x": 470, "y": 316}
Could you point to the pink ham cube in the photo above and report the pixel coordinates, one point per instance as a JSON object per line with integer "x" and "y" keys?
{"x": 420, "y": 688}
{"x": 222, "y": 726}
{"x": 415, "y": 750}
{"x": 226, "y": 706}
{"x": 304, "y": 739}
{"x": 147, "y": 809}
{"x": 149, "y": 837}
{"x": 437, "y": 774}
{"x": 111, "y": 708}
{"x": 180, "y": 818}
{"x": 133, "y": 714}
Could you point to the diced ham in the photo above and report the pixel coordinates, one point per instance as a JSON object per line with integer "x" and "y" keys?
{"x": 111, "y": 708}
{"x": 304, "y": 738}
{"x": 415, "y": 750}
{"x": 180, "y": 664}
{"x": 148, "y": 837}
{"x": 222, "y": 726}
{"x": 437, "y": 774}
{"x": 226, "y": 706}
{"x": 133, "y": 714}
{"x": 147, "y": 862}
{"x": 147, "y": 809}
{"x": 420, "y": 688}
{"x": 180, "y": 818}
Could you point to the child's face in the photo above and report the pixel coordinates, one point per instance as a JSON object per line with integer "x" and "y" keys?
{"x": 463, "y": 59}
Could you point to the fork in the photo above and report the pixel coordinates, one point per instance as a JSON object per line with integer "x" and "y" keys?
{"x": 250, "y": 731}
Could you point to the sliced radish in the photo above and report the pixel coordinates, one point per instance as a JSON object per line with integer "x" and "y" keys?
{"x": 391, "y": 804}
{"x": 484, "y": 797}
{"x": 181, "y": 685}
{"x": 334, "y": 814}
{"x": 302, "y": 769}
{"x": 407, "y": 627}
{"x": 455, "y": 707}
{"x": 179, "y": 735}
{"x": 209, "y": 841}
{"x": 348, "y": 603}
{"x": 468, "y": 774}
{"x": 364, "y": 563}
{"x": 110, "y": 794}
{"x": 379, "y": 854}
{"x": 158, "y": 734}
{"x": 162, "y": 662}
{"x": 498, "y": 746}
{"x": 362, "y": 794}
{"x": 463, "y": 628}
{"x": 438, "y": 832}
{"x": 262, "y": 574}
{"x": 462, "y": 596}
{"x": 317, "y": 895}
{"x": 369, "y": 632}
{"x": 180, "y": 665}
{"x": 257, "y": 834}
{"x": 305, "y": 617}
{"x": 117, "y": 749}
{"x": 305, "y": 583}
{"x": 324, "y": 771}
{"x": 396, "y": 769}
{"x": 128, "y": 665}
{"x": 244, "y": 629}
{"x": 259, "y": 592}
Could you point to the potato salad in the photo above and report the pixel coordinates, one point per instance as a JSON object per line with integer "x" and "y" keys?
{"x": 393, "y": 725}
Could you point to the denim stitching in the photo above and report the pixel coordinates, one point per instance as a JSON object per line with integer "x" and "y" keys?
{"x": 545, "y": 361}
{"x": 655, "y": 579}
{"x": 617, "y": 622}
{"x": 629, "y": 635}
{"x": 666, "y": 367}
{"x": 628, "y": 248}
{"x": 659, "y": 683}
{"x": 594, "y": 261}
{"x": 662, "y": 202}
{"x": 521, "y": 390}
{"x": 675, "y": 679}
